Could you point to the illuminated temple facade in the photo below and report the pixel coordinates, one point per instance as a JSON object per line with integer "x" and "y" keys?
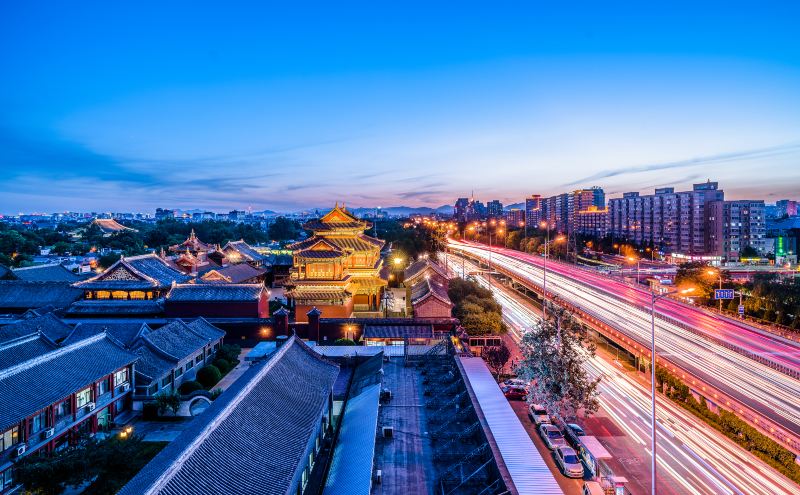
{"x": 337, "y": 269}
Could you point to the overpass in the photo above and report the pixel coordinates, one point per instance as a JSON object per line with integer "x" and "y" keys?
{"x": 733, "y": 366}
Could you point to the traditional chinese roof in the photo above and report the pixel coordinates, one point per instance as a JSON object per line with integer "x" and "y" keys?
{"x": 233, "y": 274}
{"x": 369, "y": 282}
{"x": 244, "y": 250}
{"x": 151, "y": 364}
{"x": 47, "y": 325}
{"x": 125, "y": 333}
{"x": 398, "y": 331}
{"x": 210, "y": 293}
{"x": 178, "y": 340}
{"x": 427, "y": 287}
{"x": 422, "y": 266}
{"x": 192, "y": 243}
{"x": 20, "y": 294}
{"x": 64, "y": 370}
{"x": 110, "y": 226}
{"x": 205, "y": 329}
{"x": 312, "y": 254}
{"x": 254, "y": 438}
{"x": 20, "y": 350}
{"x": 311, "y": 295}
{"x": 145, "y": 272}
{"x": 46, "y": 273}
{"x": 118, "y": 308}
{"x": 319, "y": 243}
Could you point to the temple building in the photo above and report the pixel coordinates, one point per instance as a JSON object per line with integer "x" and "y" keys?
{"x": 337, "y": 269}
{"x": 193, "y": 255}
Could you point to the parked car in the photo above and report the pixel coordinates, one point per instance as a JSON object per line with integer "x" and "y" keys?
{"x": 515, "y": 393}
{"x": 592, "y": 488}
{"x": 515, "y": 382}
{"x": 576, "y": 429}
{"x": 538, "y": 414}
{"x": 552, "y": 436}
{"x": 569, "y": 462}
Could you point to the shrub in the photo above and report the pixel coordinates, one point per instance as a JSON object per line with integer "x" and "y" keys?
{"x": 223, "y": 366}
{"x": 229, "y": 352}
{"x": 209, "y": 376}
{"x": 344, "y": 342}
{"x": 168, "y": 400}
{"x": 190, "y": 386}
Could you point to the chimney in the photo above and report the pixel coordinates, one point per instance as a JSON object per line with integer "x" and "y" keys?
{"x": 313, "y": 323}
{"x": 280, "y": 321}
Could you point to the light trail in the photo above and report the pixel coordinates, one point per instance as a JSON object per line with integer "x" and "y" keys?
{"x": 693, "y": 457}
{"x": 772, "y": 394}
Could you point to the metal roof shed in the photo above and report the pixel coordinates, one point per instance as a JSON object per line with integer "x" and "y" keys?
{"x": 513, "y": 447}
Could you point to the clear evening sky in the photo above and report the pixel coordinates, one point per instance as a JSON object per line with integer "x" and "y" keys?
{"x": 120, "y": 106}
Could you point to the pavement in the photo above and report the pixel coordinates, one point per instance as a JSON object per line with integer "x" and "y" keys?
{"x": 236, "y": 372}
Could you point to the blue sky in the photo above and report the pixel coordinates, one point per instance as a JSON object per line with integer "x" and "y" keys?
{"x": 113, "y": 106}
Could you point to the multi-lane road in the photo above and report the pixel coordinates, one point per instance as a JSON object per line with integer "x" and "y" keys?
{"x": 770, "y": 393}
{"x": 693, "y": 458}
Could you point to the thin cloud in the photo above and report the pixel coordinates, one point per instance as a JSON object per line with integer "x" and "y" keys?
{"x": 758, "y": 153}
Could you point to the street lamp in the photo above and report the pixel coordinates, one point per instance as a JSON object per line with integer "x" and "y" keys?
{"x": 654, "y": 297}
{"x": 717, "y": 273}
{"x": 637, "y": 260}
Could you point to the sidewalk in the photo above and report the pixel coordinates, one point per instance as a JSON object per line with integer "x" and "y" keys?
{"x": 235, "y": 373}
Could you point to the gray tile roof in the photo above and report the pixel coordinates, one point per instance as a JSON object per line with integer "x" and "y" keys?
{"x": 434, "y": 286}
{"x": 46, "y": 273}
{"x": 151, "y": 365}
{"x": 205, "y": 329}
{"x": 215, "y": 292}
{"x": 136, "y": 273}
{"x": 18, "y": 351}
{"x": 21, "y": 294}
{"x": 238, "y": 273}
{"x": 118, "y": 308}
{"x": 245, "y": 250}
{"x": 176, "y": 339}
{"x": 253, "y": 439}
{"x": 420, "y": 266}
{"x": 48, "y": 325}
{"x": 33, "y": 385}
{"x": 398, "y": 331}
{"x": 125, "y": 333}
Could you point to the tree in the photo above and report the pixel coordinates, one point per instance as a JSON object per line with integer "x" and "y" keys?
{"x": 344, "y": 342}
{"x": 61, "y": 248}
{"x": 554, "y": 351}
{"x": 168, "y": 400}
{"x": 209, "y": 375}
{"x": 283, "y": 229}
{"x": 749, "y": 252}
{"x": 496, "y": 358}
{"x": 50, "y": 475}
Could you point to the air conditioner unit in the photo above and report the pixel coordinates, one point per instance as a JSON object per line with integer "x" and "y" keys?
{"x": 49, "y": 432}
{"x": 378, "y": 476}
{"x": 388, "y": 431}
{"x": 126, "y": 387}
{"x": 21, "y": 450}
{"x": 90, "y": 406}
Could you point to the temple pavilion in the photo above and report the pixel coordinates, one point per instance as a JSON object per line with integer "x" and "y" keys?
{"x": 337, "y": 269}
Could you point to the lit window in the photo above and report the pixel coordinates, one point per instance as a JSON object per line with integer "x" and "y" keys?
{"x": 120, "y": 377}
{"x": 84, "y": 397}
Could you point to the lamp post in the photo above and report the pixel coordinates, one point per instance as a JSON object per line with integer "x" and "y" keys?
{"x": 717, "y": 273}
{"x": 546, "y": 226}
{"x": 637, "y": 260}
{"x": 654, "y": 297}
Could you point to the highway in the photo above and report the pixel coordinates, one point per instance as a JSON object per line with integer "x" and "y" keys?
{"x": 693, "y": 458}
{"x": 770, "y": 393}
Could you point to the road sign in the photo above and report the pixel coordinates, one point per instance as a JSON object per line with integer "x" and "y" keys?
{"x": 723, "y": 293}
{"x": 741, "y": 309}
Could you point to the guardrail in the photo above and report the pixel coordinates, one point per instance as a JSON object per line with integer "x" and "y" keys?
{"x": 754, "y": 418}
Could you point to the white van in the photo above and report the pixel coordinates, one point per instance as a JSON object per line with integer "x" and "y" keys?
{"x": 592, "y": 488}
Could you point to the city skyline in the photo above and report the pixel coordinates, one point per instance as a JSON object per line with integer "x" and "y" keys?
{"x": 219, "y": 110}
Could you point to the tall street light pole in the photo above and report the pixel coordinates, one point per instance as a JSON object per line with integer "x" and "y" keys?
{"x": 544, "y": 271}
{"x": 654, "y": 297}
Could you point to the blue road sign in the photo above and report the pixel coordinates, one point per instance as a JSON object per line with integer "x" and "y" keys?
{"x": 723, "y": 293}
{"x": 741, "y": 309}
